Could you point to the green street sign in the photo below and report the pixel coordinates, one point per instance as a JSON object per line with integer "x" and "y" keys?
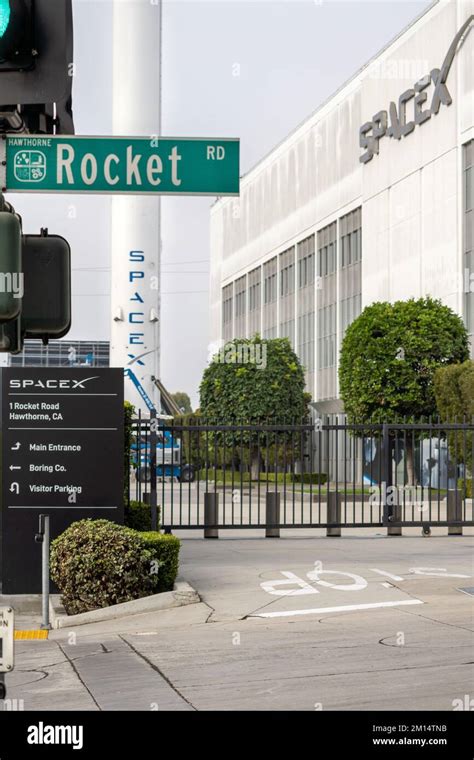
{"x": 127, "y": 165}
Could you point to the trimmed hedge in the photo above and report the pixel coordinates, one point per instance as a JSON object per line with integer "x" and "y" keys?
{"x": 165, "y": 550}
{"x": 97, "y": 563}
{"x": 138, "y": 516}
{"x": 311, "y": 477}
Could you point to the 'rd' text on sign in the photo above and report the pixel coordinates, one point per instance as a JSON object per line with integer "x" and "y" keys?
{"x": 122, "y": 165}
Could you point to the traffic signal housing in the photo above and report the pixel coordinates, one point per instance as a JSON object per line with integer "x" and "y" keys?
{"x": 36, "y": 65}
{"x": 11, "y": 278}
{"x": 46, "y": 307}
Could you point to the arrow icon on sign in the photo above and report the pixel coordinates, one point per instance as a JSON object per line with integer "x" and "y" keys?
{"x": 13, "y": 467}
{"x": 15, "y": 488}
{"x": 16, "y": 446}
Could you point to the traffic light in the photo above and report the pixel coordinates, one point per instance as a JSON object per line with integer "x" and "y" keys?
{"x": 36, "y": 58}
{"x": 11, "y": 279}
{"x": 16, "y": 35}
{"x": 46, "y": 307}
{"x": 35, "y": 285}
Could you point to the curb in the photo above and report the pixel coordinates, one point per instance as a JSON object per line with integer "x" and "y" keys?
{"x": 182, "y": 594}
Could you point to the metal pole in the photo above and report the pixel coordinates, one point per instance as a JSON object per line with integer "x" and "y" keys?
{"x": 153, "y": 494}
{"x": 334, "y": 514}
{"x": 211, "y": 512}
{"x": 454, "y": 508}
{"x": 45, "y": 571}
{"x": 272, "y": 517}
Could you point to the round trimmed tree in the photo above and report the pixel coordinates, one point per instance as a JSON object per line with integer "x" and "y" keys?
{"x": 254, "y": 380}
{"x": 389, "y": 357}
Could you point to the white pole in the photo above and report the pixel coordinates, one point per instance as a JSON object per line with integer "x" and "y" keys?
{"x": 135, "y": 234}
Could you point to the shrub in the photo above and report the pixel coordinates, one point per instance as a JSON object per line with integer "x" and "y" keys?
{"x": 138, "y": 516}
{"x": 165, "y": 550}
{"x": 311, "y": 477}
{"x": 468, "y": 484}
{"x": 96, "y": 563}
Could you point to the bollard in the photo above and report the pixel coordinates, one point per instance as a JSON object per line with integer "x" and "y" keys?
{"x": 394, "y": 516}
{"x": 454, "y": 513}
{"x": 334, "y": 514}
{"x": 211, "y": 515}
{"x": 272, "y": 515}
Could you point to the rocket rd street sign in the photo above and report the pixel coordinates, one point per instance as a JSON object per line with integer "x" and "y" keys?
{"x": 130, "y": 165}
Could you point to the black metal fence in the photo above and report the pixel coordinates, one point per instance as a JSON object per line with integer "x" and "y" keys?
{"x": 327, "y": 473}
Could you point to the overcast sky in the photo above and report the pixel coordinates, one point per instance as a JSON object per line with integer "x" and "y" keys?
{"x": 289, "y": 56}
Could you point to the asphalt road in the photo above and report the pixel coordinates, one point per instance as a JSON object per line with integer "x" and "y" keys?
{"x": 301, "y": 623}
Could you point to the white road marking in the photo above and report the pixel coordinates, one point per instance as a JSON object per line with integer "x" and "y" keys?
{"x": 340, "y": 608}
{"x": 385, "y": 574}
{"x": 386, "y": 584}
{"x": 292, "y": 580}
{"x": 358, "y": 584}
{"x": 438, "y": 572}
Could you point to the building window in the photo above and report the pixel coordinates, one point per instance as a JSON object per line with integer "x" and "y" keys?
{"x": 327, "y": 258}
{"x": 306, "y": 262}
{"x": 254, "y": 289}
{"x": 327, "y": 337}
{"x": 350, "y": 229}
{"x": 270, "y": 282}
{"x": 227, "y": 301}
{"x": 350, "y": 309}
{"x": 306, "y": 340}
{"x": 287, "y": 272}
{"x": 240, "y": 288}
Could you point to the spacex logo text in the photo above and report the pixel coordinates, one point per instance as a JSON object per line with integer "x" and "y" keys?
{"x": 52, "y": 384}
{"x": 372, "y": 131}
{"x": 41, "y": 734}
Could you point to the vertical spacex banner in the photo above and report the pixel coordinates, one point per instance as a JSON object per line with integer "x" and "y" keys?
{"x": 62, "y": 455}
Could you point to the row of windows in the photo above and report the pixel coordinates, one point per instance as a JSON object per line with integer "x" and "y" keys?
{"x": 351, "y": 253}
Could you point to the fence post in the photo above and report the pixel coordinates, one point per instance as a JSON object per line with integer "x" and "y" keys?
{"x": 334, "y": 514}
{"x": 211, "y": 515}
{"x": 454, "y": 512}
{"x": 272, "y": 515}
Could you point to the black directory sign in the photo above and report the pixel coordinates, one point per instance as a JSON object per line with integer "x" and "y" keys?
{"x": 62, "y": 455}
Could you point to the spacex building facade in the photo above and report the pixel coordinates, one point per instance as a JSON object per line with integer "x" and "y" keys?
{"x": 370, "y": 199}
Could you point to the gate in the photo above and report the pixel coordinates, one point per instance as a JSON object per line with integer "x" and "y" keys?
{"x": 327, "y": 474}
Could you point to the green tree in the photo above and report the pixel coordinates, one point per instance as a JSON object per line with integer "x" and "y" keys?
{"x": 182, "y": 401}
{"x": 254, "y": 380}
{"x": 389, "y": 356}
{"x": 454, "y": 392}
